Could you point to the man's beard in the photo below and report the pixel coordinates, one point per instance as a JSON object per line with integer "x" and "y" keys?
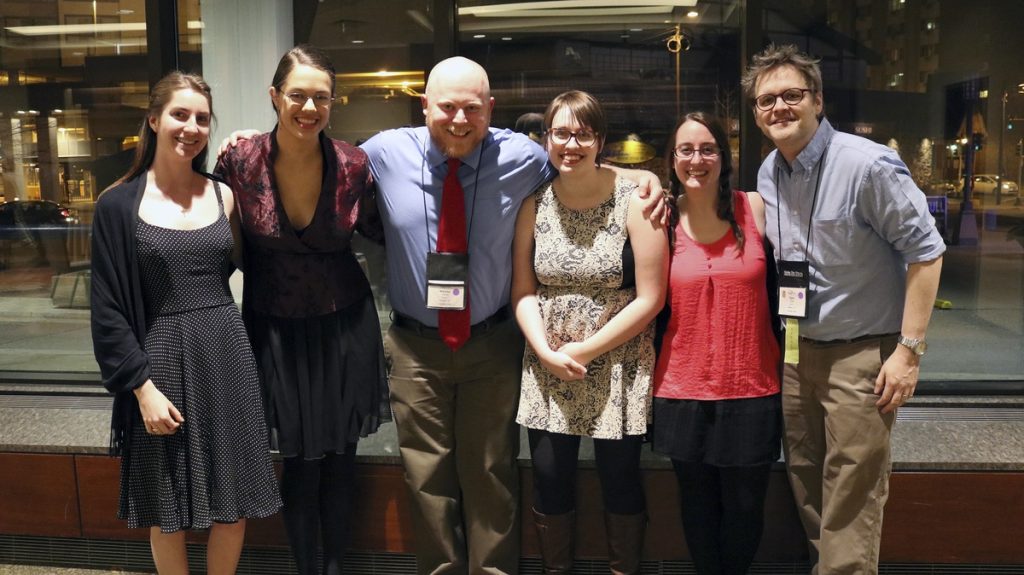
{"x": 458, "y": 149}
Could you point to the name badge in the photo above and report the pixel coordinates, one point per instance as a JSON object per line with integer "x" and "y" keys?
{"x": 447, "y": 276}
{"x": 794, "y": 284}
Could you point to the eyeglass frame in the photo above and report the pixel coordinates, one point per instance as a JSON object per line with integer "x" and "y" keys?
{"x": 699, "y": 151}
{"x": 781, "y": 95}
{"x": 319, "y": 100}
{"x": 572, "y": 136}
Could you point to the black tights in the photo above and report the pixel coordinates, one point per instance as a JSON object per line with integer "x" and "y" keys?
{"x": 317, "y": 496}
{"x": 554, "y": 472}
{"x": 723, "y": 514}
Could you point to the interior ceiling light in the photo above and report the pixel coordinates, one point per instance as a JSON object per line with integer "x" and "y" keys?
{"x": 396, "y": 79}
{"x": 488, "y": 9}
{"x": 548, "y": 13}
{"x": 69, "y": 29}
{"x": 77, "y": 29}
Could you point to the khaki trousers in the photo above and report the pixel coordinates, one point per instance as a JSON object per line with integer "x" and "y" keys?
{"x": 459, "y": 442}
{"x": 837, "y": 451}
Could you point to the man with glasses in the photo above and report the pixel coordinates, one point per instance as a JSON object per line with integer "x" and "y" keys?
{"x": 859, "y": 260}
{"x": 454, "y": 348}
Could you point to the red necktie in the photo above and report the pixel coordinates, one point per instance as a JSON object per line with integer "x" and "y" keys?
{"x": 453, "y": 325}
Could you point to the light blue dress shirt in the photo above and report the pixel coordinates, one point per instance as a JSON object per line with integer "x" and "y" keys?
{"x": 869, "y": 222}
{"x": 496, "y": 177}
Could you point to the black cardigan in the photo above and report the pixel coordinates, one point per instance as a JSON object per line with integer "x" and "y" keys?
{"x": 118, "y": 313}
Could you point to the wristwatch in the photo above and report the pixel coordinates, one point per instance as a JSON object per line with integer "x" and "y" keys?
{"x": 918, "y": 346}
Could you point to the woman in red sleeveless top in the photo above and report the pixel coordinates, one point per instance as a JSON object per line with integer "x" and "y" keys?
{"x": 716, "y": 390}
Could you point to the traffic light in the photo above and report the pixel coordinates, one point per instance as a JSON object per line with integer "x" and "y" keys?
{"x": 1020, "y": 148}
{"x": 977, "y": 141}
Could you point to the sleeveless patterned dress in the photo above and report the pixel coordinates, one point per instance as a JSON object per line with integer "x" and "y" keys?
{"x": 217, "y": 466}
{"x": 578, "y": 260}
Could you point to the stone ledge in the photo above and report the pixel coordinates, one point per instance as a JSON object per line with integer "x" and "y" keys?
{"x": 962, "y": 442}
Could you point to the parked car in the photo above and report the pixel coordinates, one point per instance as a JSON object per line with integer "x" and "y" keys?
{"x": 985, "y": 184}
{"x": 35, "y": 214}
{"x": 33, "y": 232}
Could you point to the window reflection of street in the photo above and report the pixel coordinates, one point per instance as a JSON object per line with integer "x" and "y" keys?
{"x": 981, "y": 334}
{"x": 71, "y": 96}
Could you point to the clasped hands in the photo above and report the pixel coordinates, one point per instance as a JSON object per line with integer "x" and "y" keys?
{"x": 568, "y": 363}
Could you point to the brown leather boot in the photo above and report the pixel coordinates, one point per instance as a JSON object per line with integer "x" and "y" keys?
{"x": 625, "y": 542}
{"x": 556, "y": 534}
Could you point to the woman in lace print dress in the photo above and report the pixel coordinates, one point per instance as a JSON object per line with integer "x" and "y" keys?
{"x": 188, "y": 416}
{"x": 589, "y": 275}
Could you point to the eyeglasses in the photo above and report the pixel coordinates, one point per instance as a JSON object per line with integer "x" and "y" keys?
{"x": 561, "y": 136}
{"x": 792, "y": 96}
{"x": 686, "y": 152}
{"x": 300, "y": 99}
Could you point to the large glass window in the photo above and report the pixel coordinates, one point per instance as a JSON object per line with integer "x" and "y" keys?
{"x": 941, "y": 82}
{"x": 938, "y": 80}
{"x": 72, "y": 87}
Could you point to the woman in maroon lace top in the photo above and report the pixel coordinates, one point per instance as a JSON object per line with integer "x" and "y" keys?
{"x": 307, "y": 302}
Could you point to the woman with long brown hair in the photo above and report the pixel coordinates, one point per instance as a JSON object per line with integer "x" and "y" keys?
{"x": 168, "y": 337}
{"x": 716, "y": 387}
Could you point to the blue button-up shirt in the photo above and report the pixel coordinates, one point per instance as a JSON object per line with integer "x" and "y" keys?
{"x": 869, "y": 222}
{"x": 496, "y": 177}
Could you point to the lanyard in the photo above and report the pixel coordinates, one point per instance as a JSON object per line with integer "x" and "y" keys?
{"x": 814, "y": 201}
{"x": 423, "y": 188}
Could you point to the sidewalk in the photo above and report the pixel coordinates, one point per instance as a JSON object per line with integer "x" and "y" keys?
{"x": 35, "y": 336}
{"x": 29, "y": 308}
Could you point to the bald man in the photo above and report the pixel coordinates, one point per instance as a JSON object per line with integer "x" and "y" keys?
{"x": 455, "y": 399}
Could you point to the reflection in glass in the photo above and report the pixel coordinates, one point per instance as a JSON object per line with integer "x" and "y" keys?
{"x": 645, "y": 61}
{"x": 918, "y": 77}
{"x": 73, "y": 86}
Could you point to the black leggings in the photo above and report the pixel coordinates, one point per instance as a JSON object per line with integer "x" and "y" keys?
{"x": 317, "y": 497}
{"x": 554, "y": 472}
{"x": 723, "y": 514}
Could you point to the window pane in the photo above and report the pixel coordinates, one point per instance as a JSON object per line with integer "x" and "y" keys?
{"x": 940, "y": 82}
{"x": 72, "y": 92}
{"x": 647, "y": 65}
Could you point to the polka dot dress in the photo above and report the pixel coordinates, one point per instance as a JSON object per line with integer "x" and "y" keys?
{"x": 217, "y": 466}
